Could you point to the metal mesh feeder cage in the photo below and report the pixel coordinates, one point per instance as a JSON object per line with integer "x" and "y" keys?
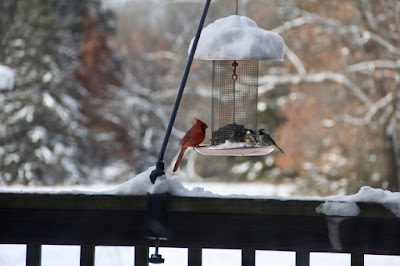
{"x": 235, "y": 45}
{"x": 234, "y": 100}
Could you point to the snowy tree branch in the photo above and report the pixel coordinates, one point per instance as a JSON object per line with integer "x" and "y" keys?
{"x": 383, "y": 103}
{"x": 367, "y": 10}
{"x": 337, "y": 26}
{"x": 268, "y": 81}
{"x": 288, "y": 25}
{"x": 160, "y": 55}
{"x": 295, "y": 61}
{"x": 370, "y": 66}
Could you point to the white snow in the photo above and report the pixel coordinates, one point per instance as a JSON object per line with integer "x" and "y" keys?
{"x": 238, "y": 38}
{"x": 7, "y": 76}
{"x": 141, "y": 185}
{"x": 333, "y": 224}
{"x": 333, "y": 208}
{"x": 37, "y": 133}
{"x": 388, "y": 199}
{"x": 231, "y": 145}
{"x": 121, "y": 256}
{"x": 331, "y": 259}
{"x": 339, "y": 205}
{"x": 54, "y": 253}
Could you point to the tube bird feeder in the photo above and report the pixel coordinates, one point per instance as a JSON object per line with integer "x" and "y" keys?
{"x": 235, "y": 45}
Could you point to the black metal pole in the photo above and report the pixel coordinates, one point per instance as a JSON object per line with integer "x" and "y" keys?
{"x": 237, "y": 7}
{"x": 160, "y": 163}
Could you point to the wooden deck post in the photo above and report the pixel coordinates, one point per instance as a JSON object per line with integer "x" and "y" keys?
{"x": 141, "y": 256}
{"x": 87, "y": 255}
{"x": 33, "y": 255}
{"x": 302, "y": 258}
{"x": 248, "y": 257}
{"x": 357, "y": 259}
{"x": 195, "y": 256}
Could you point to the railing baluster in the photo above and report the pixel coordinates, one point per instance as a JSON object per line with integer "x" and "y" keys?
{"x": 33, "y": 255}
{"x": 141, "y": 256}
{"x": 195, "y": 256}
{"x": 248, "y": 257}
{"x": 302, "y": 258}
{"x": 87, "y": 255}
{"x": 357, "y": 259}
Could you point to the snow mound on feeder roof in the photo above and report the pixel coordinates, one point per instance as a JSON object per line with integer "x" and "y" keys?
{"x": 238, "y": 38}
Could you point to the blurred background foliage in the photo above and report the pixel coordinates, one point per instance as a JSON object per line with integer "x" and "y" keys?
{"x": 95, "y": 82}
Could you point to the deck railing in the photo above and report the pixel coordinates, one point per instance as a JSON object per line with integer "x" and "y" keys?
{"x": 248, "y": 224}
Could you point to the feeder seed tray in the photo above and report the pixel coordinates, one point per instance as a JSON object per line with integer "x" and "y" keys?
{"x": 241, "y": 151}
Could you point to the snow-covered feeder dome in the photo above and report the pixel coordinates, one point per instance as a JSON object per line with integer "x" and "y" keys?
{"x": 238, "y": 38}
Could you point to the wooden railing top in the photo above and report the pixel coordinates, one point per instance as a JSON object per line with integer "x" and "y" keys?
{"x": 235, "y": 205}
{"x": 254, "y": 223}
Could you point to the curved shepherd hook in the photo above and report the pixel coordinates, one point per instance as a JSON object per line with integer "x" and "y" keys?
{"x": 159, "y": 171}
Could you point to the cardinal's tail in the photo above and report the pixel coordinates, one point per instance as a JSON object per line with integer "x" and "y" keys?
{"x": 178, "y": 161}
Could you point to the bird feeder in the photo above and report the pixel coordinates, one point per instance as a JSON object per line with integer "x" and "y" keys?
{"x": 235, "y": 45}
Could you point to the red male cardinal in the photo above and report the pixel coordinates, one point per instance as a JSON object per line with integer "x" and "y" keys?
{"x": 193, "y": 137}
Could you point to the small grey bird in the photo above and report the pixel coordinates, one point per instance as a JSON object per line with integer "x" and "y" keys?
{"x": 266, "y": 138}
{"x": 252, "y": 139}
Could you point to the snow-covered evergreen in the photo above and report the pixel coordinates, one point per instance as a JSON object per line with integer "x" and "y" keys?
{"x": 41, "y": 140}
